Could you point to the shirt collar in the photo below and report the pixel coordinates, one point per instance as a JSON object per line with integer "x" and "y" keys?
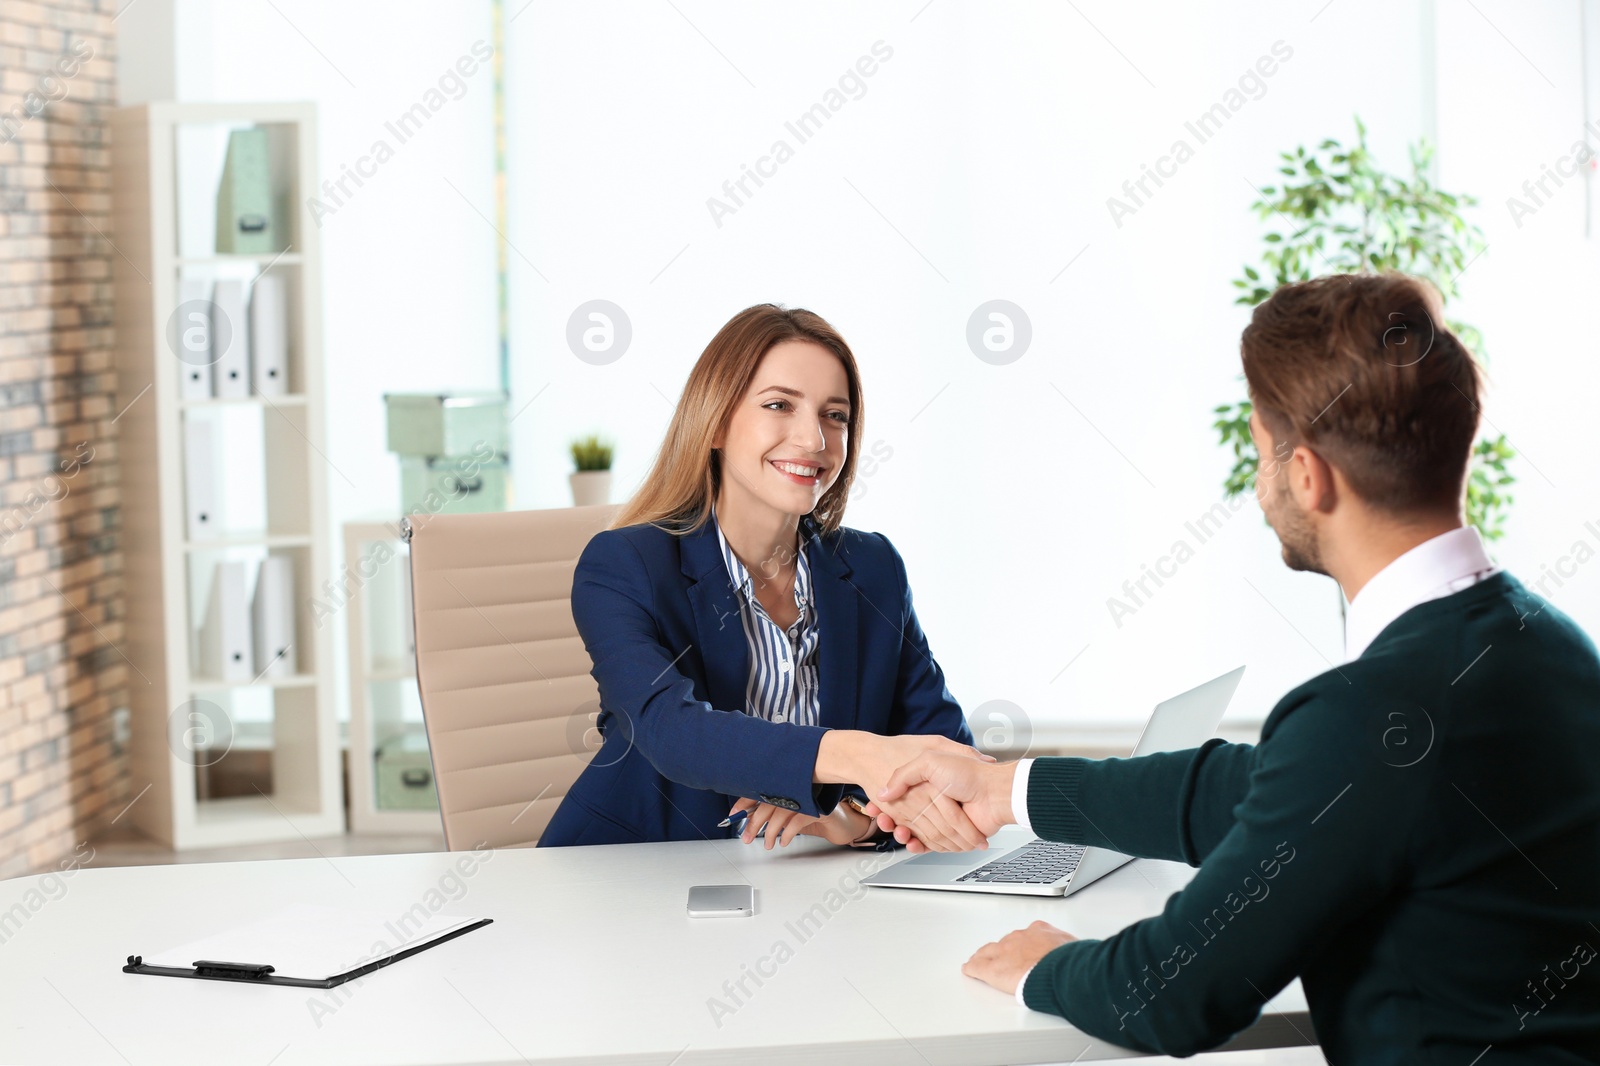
{"x": 1433, "y": 569}
{"x": 739, "y": 575}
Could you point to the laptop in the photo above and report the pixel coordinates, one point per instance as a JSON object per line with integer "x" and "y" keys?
{"x": 1030, "y": 866}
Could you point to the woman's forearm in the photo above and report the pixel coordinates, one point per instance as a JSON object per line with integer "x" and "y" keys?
{"x": 839, "y": 757}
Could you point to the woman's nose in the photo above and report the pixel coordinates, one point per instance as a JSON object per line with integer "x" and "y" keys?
{"x": 810, "y": 436}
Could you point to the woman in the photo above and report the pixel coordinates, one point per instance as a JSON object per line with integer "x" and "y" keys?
{"x": 752, "y": 654}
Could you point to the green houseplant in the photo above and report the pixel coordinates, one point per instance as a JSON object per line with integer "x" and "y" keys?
{"x": 1345, "y": 215}
{"x": 591, "y": 478}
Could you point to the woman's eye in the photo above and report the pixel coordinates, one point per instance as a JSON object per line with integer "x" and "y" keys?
{"x": 777, "y": 403}
{"x": 839, "y": 416}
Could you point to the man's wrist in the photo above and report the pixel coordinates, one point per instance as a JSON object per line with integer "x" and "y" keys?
{"x": 1017, "y": 800}
{"x": 1022, "y": 984}
{"x": 1000, "y": 797}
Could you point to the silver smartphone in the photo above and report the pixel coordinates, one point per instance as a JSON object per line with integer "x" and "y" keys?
{"x": 722, "y": 901}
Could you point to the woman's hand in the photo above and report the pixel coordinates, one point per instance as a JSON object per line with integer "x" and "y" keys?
{"x": 843, "y": 826}
{"x": 870, "y": 760}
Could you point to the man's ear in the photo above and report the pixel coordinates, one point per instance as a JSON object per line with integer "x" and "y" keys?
{"x": 1311, "y": 479}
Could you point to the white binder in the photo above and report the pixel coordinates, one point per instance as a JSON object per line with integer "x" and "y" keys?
{"x": 269, "y": 336}
{"x": 194, "y": 338}
{"x": 225, "y": 634}
{"x": 232, "y": 367}
{"x": 200, "y": 480}
{"x": 272, "y": 617}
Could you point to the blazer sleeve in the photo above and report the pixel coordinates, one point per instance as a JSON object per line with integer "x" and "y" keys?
{"x": 922, "y": 700}
{"x": 683, "y": 737}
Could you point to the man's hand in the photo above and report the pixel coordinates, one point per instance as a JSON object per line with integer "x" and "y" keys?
{"x": 931, "y": 820}
{"x": 983, "y": 790}
{"x": 871, "y": 760}
{"x": 1003, "y": 964}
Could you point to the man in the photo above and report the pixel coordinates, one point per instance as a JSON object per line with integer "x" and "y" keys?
{"x": 1416, "y": 836}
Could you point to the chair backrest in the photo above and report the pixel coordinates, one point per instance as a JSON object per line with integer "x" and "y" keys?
{"x": 507, "y": 697}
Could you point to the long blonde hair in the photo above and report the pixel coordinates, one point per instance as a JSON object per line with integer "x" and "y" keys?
{"x": 682, "y": 485}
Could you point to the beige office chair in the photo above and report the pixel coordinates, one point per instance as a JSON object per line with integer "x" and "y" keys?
{"x": 507, "y": 698}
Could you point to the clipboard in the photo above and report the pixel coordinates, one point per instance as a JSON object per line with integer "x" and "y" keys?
{"x": 280, "y": 928}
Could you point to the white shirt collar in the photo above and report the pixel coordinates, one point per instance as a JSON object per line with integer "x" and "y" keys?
{"x": 1433, "y": 569}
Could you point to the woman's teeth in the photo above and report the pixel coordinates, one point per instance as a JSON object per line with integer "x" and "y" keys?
{"x": 798, "y": 469}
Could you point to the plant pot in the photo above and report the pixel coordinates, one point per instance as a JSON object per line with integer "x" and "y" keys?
{"x": 590, "y": 487}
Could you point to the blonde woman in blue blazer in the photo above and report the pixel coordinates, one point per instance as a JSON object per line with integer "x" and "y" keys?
{"x": 753, "y": 654}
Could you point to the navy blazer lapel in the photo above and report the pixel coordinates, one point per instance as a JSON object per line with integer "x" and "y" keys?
{"x": 837, "y": 605}
{"x": 723, "y": 651}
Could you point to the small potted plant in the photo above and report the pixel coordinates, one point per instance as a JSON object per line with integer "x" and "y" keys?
{"x": 591, "y": 481}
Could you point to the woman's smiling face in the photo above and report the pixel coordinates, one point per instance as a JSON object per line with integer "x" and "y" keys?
{"x": 788, "y": 437}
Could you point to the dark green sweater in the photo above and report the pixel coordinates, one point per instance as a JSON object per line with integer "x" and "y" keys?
{"x": 1416, "y": 837}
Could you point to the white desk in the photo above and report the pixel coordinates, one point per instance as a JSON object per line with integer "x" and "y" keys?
{"x": 590, "y": 959}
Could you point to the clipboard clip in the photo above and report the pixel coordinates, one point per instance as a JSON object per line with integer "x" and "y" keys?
{"x": 235, "y": 971}
{"x": 228, "y": 971}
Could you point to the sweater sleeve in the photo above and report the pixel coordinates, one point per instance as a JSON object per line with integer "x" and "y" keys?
{"x": 1174, "y": 805}
{"x": 1320, "y": 839}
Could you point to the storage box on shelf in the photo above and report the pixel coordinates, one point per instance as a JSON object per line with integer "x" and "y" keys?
{"x": 224, "y": 504}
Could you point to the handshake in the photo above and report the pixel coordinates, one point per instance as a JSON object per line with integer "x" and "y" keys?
{"x": 932, "y": 793}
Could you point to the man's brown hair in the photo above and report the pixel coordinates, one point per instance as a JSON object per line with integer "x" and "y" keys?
{"x": 1362, "y": 369}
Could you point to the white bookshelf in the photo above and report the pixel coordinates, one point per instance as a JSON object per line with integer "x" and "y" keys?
{"x": 166, "y": 162}
{"x": 384, "y": 702}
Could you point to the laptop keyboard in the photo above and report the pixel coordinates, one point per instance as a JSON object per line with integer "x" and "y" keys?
{"x": 1039, "y": 862}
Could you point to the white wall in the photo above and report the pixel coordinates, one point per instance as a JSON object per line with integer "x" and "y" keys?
{"x": 976, "y": 166}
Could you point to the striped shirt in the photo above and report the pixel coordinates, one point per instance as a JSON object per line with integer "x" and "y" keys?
{"x": 782, "y": 686}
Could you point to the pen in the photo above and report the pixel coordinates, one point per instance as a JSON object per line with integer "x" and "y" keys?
{"x": 730, "y": 819}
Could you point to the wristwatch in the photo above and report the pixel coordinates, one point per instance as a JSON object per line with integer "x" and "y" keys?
{"x": 873, "y": 833}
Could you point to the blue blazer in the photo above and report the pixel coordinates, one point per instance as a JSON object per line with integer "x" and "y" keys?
{"x": 660, "y": 619}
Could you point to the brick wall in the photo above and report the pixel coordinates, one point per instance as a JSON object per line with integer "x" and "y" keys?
{"x": 62, "y": 776}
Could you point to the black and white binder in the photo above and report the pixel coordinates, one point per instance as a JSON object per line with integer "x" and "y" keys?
{"x": 200, "y": 479}
{"x": 232, "y": 366}
{"x": 269, "y": 336}
{"x": 193, "y": 336}
{"x": 327, "y": 945}
{"x": 272, "y": 617}
{"x": 225, "y": 634}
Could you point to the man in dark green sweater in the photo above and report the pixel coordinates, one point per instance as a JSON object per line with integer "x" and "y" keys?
{"x": 1416, "y": 836}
